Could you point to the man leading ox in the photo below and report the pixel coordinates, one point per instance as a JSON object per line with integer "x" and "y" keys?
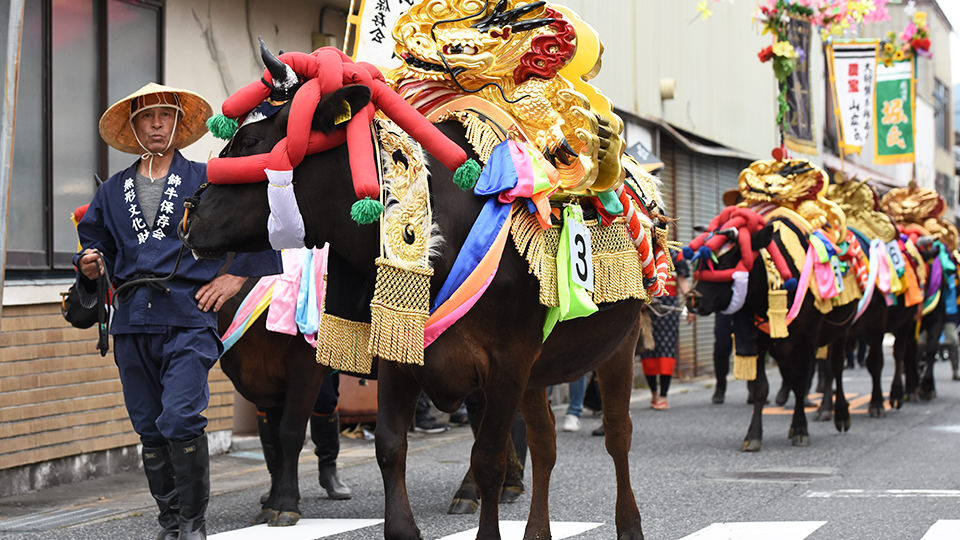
{"x": 165, "y": 339}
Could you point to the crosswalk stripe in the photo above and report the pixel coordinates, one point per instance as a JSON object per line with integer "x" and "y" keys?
{"x": 944, "y": 529}
{"x": 884, "y": 493}
{"x": 757, "y": 530}
{"x": 513, "y": 530}
{"x": 305, "y": 529}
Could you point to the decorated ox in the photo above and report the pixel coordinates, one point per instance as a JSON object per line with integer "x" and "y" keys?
{"x": 737, "y": 282}
{"x": 499, "y": 346}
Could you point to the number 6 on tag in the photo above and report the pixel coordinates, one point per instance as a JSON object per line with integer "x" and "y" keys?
{"x": 581, "y": 259}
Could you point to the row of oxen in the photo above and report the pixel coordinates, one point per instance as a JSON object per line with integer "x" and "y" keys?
{"x": 796, "y": 256}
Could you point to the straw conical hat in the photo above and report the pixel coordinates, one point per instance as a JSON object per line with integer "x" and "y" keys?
{"x": 116, "y": 130}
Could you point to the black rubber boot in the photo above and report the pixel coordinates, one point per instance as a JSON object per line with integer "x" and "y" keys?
{"x": 954, "y": 355}
{"x": 720, "y": 391}
{"x": 325, "y": 432}
{"x": 159, "y": 472}
{"x": 191, "y": 467}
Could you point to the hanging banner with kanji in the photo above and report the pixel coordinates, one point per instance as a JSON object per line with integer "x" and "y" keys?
{"x": 895, "y": 110}
{"x": 798, "y": 134}
{"x": 371, "y": 26}
{"x": 852, "y": 68}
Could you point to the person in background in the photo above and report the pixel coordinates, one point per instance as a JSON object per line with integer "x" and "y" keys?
{"x": 659, "y": 363}
{"x": 577, "y": 389}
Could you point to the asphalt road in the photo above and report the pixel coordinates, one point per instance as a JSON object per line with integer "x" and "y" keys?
{"x": 896, "y": 477}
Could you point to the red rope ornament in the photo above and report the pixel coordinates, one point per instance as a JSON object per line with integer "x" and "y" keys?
{"x": 746, "y": 222}
{"x": 326, "y": 70}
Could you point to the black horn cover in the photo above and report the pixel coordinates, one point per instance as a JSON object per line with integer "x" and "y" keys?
{"x": 285, "y": 81}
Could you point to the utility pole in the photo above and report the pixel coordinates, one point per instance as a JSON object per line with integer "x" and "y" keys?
{"x": 8, "y": 114}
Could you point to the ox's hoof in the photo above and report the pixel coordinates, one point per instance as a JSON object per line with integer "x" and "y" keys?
{"x": 510, "y": 494}
{"x": 265, "y": 497}
{"x": 751, "y": 445}
{"x": 266, "y": 515}
{"x": 638, "y": 535}
{"x": 285, "y": 519}
{"x": 924, "y": 395}
{"x": 823, "y": 416}
{"x": 876, "y": 411}
{"x": 842, "y": 424}
{"x": 801, "y": 440}
{"x": 463, "y": 506}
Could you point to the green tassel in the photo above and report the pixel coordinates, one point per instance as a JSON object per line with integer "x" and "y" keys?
{"x": 222, "y": 127}
{"x": 467, "y": 174}
{"x": 366, "y": 211}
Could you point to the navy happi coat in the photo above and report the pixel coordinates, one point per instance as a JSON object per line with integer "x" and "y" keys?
{"x": 114, "y": 224}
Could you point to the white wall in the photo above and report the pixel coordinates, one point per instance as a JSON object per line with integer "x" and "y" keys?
{"x": 211, "y": 45}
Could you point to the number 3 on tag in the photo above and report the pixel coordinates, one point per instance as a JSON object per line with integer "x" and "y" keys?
{"x": 581, "y": 259}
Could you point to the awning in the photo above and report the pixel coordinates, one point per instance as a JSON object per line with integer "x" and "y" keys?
{"x": 647, "y": 159}
{"x": 850, "y": 168}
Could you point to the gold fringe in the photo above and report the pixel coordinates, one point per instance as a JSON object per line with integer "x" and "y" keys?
{"x": 745, "y": 367}
{"x": 539, "y": 248}
{"x": 822, "y": 352}
{"x": 851, "y": 290}
{"x": 777, "y": 313}
{"x": 398, "y": 312}
{"x": 616, "y": 267}
{"x": 342, "y": 344}
{"x": 481, "y": 135}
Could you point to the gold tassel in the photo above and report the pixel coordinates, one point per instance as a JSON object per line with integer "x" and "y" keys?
{"x": 777, "y": 313}
{"x": 646, "y": 331}
{"x": 822, "y": 352}
{"x": 745, "y": 367}
{"x": 398, "y": 312}
{"x": 342, "y": 344}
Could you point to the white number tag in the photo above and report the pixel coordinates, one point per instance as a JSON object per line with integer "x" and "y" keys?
{"x": 581, "y": 258}
{"x": 893, "y": 248}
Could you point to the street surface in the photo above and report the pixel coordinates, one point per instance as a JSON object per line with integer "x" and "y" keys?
{"x": 892, "y": 478}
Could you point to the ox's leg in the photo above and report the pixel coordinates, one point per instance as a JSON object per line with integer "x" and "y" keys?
{"x": 616, "y": 385}
{"x": 801, "y": 362}
{"x": 268, "y": 421}
{"x": 490, "y": 447}
{"x": 841, "y": 417}
{"x": 301, "y": 393}
{"x": 933, "y": 327}
{"x": 911, "y": 365}
{"x": 825, "y": 384}
{"x": 902, "y": 339}
{"x": 875, "y": 366}
{"x": 752, "y": 442}
{"x": 397, "y": 394}
{"x": 542, "y": 441}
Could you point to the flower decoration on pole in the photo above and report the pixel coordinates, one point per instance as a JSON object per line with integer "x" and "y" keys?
{"x": 831, "y": 17}
{"x": 914, "y": 40}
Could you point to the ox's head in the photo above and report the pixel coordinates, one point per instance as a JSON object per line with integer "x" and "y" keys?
{"x": 232, "y": 215}
{"x": 722, "y": 258}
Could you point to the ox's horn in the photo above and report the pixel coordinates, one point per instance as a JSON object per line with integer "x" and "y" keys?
{"x": 731, "y": 234}
{"x": 284, "y": 79}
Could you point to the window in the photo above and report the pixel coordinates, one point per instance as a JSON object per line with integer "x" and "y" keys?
{"x": 77, "y": 58}
{"x": 941, "y": 113}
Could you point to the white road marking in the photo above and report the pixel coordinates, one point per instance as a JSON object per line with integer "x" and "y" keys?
{"x": 757, "y": 530}
{"x": 945, "y": 529}
{"x": 883, "y": 493}
{"x": 305, "y": 529}
{"x": 513, "y": 530}
{"x": 947, "y": 429}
